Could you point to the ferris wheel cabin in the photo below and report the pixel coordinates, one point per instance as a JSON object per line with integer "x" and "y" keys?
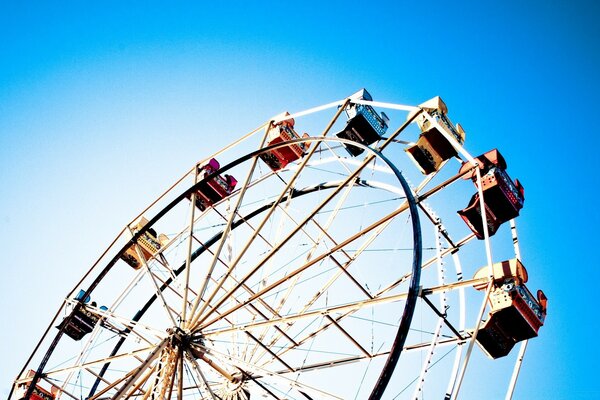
{"x": 364, "y": 125}
{"x": 515, "y": 314}
{"x": 39, "y": 392}
{"x": 503, "y": 197}
{"x": 145, "y": 247}
{"x": 214, "y": 189}
{"x": 83, "y": 318}
{"x": 280, "y": 132}
{"x": 432, "y": 147}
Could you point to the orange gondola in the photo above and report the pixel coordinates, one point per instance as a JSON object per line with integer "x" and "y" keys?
{"x": 432, "y": 147}
{"x": 280, "y": 132}
{"x": 147, "y": 244}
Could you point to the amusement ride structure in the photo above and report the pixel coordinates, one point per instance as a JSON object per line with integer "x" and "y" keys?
{"x": 362, "y": 260}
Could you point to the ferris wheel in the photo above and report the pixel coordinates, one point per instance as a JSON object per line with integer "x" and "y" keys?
{"x": 360, "y": 260}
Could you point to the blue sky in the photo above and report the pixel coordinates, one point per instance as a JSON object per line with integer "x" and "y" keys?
{"x": 93, "y": 94}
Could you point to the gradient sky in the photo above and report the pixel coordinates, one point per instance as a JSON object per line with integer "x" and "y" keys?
{"x": 104, "y": 105}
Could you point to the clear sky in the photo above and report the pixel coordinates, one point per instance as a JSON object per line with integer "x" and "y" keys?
{"x": 94, "y": 96}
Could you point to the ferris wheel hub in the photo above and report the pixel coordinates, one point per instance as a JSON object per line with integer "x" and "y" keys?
{"x": 187, "y": 341}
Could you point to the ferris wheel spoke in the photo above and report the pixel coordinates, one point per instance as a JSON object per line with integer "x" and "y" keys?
{"x": 263, "y": 303}
{"x": 113, "y": 385}
{"x": 178, "y": 367}
{"x": 194, "y": 313}
{"x": 324, "y": 326}
{"x": 137, "y": 372}
{"x": 353, "y": 306}
{"x": 197, "y": 319}
{"x": 188, "y": 259}
{"x": 323, "y": 233}
{"x": 301, "y": 269}
{"x": 343, "y": 268}
{"x": 262, "y": 373}
{"x": 159, "y": 293}
{"x": 99, "y": 377}
{"x": 165, "y": 373}
{"x": 244, "y": 286}
{"x": 268, "y": 350}
{"x": 262, "y": 386}
{"x": 275, "y": 312}
{"x": 313, "y": 334}
{"x": 329, "y": 283}
{"x": 200, "y": 320}
{"x": 342, "y": 361}
{"x": 310, "y": 253}
{"x": 289, "y": 318}
{"x": 142, "y": 382}
{"x": 282, "y": 330}
{"x": 428, "y": 263}
{"x": 310, "y": 336}
{"x": 87, "y": 364}
{"x": 234, "y": 263}
{"x": 122, "y": 327}
{"x": 199, "y": 373}
{"x": 254, "y": 310}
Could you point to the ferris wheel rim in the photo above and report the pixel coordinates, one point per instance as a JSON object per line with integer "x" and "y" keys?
{"x": 404, "y": 326}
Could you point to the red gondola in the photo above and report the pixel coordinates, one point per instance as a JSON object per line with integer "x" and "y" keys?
{"x": 216, "y": 188}
{"x": 515, "y": 313}
{"x": 502, "y": 197}
{"x": 39, "y": 392}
